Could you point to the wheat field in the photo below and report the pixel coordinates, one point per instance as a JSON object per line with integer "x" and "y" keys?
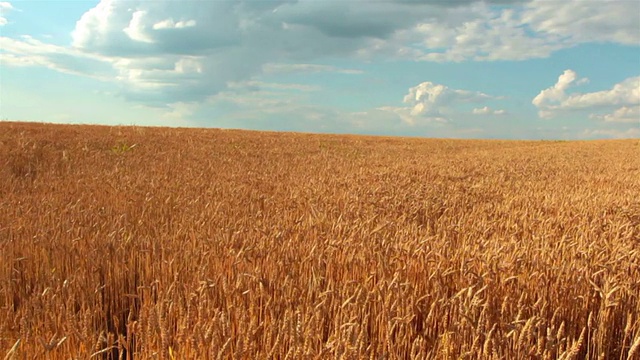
{"x": 151, "y": 243}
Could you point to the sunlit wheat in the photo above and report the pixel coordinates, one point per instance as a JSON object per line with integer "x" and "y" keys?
{"x": 205, "y": 244}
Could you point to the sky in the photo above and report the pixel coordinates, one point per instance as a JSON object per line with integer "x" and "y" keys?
{"x": 538, "y": 69}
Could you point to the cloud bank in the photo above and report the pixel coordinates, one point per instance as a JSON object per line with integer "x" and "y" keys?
{"x": 435, "y": 103}
{"x": 623, "y": 100}
{"x": 176, "y": 51}
{"x": 183, "y": 55}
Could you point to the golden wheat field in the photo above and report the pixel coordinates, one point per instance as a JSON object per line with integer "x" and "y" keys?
{"x": 150, "y": 243}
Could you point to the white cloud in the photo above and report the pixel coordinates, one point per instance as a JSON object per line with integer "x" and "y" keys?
{"x": 434, "y": 102}
{"x": 525, "y": 30}
{"x": 170, "y": 24}
{"x": 101, "y": 17}
{"x": 582, "y": 21}
{"x": 484, "y": 34}
{"x": 487, "y": 111}
{"x": 32, "y": 52}
{"x": 255, "y": 40}
{"x": 625, "y": 114}
{"x": 184, "y": 51}
{"x": 137, "y": 29}
{"x": 556, "y": 93}
{"x": 428, "y": 98}
{"x": 149, "y": 28}
{"x": 5, "y": 7}
{"x": 626, "y": 92}
{"x": 625, "y": 96}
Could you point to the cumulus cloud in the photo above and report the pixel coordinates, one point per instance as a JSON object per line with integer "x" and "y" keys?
{"x": 625, "y": 114}
{"x": 183, "y": 51}
{"x": 624, "y": 97}
{"x": 487, "y": 111}
{"x": 430, "y": 99}
{"x": 626, "y": 92}
{"x": 556, "y": 93}
{"x": 170, "y": 24}
{"x": 138, "y": 28}
{"x": 199, "y": 47}
{"x": 521, "y": 30}
{"x": 585, "y": 21}
{"x": 5, "y": 7}
{"x": 149, "y": 28}
{"x": 434, "y": 102}
{"x": 482, "y": 34}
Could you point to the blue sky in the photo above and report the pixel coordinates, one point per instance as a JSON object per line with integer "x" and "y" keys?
{"x": 433, "y": 68}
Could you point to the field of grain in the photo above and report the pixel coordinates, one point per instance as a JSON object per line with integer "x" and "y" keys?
{"x": 149, "y": 243}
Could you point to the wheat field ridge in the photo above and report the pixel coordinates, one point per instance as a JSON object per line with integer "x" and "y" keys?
{"x": 150, "y": 243}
